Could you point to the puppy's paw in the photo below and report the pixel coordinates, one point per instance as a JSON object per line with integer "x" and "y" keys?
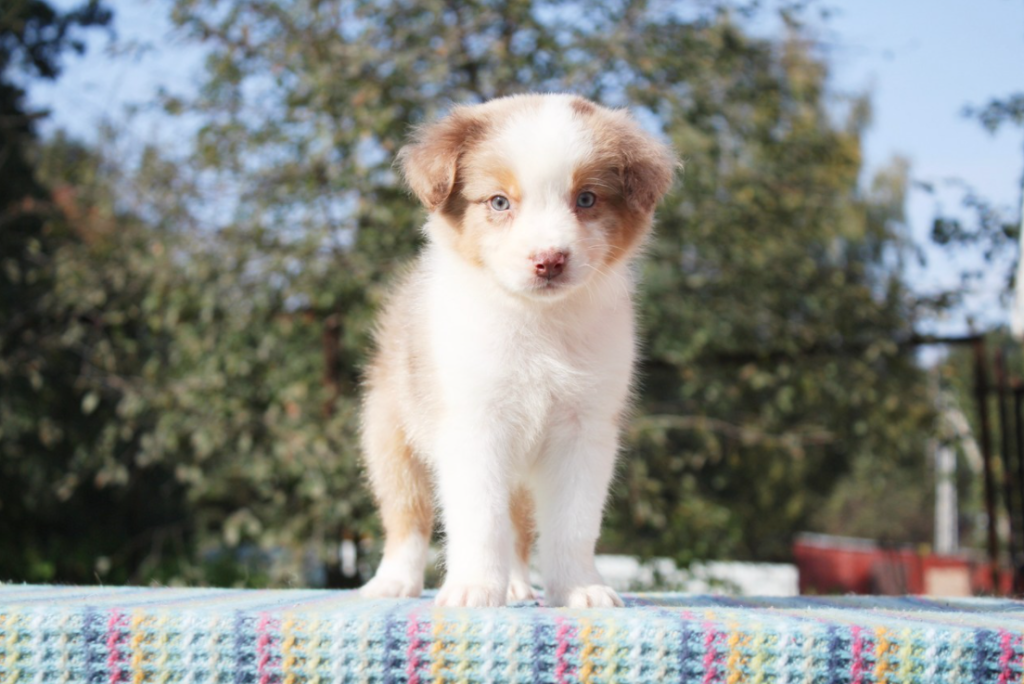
{"x": 383, "y": 586}
{"x": 586, "y": 596}
{"x": 458, "y": 594}
{"x": 519, "y": 590}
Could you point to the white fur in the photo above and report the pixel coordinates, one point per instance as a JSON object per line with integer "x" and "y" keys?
{"x": 400, "y": 574}
{"x": 532, "y": 392}
{"x": 519, "y": 382}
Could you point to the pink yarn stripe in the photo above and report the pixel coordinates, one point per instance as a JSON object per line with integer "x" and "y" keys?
{"x": 115, "y": 656}
{"x": 265, "y": 630}
{"x": 564, "y": 634}
{"x": 1009, "y": 645}
{"x": 416, "y": 645}
{"x": 857, "y": 667}
{"x": 712, "y": 656}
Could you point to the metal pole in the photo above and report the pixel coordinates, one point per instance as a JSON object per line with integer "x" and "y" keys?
{"x": 1005, "y": 451}
{"x": 946, "y": 518}
{"x": 981, "y": 394}
{"x": 946, "y": 530}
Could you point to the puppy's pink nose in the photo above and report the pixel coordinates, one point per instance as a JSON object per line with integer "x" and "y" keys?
{"x": 549, "y": 263}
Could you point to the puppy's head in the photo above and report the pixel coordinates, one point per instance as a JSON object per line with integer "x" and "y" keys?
{"x": 542, "y": 191}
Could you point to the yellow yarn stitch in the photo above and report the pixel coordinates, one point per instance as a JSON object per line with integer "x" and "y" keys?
{"x": 587, "y": 653}
{"x": 883, "y": 650}
{"x": 436, "y": 654}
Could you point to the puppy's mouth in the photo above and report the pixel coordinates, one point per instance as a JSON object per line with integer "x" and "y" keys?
{"x": 544, "y": 287}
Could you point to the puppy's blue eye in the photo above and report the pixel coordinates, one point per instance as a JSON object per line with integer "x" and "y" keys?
{"x": 586, "y": 199}
{"x": 500, "y": 203}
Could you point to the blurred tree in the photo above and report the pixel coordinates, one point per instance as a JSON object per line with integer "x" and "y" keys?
{"x": 32, "y": 38}
{"x": 774, "y": 302}
{"x": 775, "y": 307}
{"x": 82, "y": 500}
{"x": 239, "y": 287}
{"x": 990, "y": 234}
{"x": 43, "y": 425}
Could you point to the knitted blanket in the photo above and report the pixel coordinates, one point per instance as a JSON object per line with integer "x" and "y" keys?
{"x": 108, "y": 635}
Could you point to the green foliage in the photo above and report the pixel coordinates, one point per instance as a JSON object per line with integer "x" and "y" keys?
{"x": 214, "y": 311}
{"x": 1009, "y": 110}
{"x": 774, "y": 307}
{"x": 981, "y": 224}
{"x": 52, "y": 421}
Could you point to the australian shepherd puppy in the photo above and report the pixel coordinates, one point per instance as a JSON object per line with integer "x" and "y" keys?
{"x": 505, "y": 357}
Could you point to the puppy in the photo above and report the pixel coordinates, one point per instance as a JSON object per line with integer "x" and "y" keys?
{"x": 505, "y": 357}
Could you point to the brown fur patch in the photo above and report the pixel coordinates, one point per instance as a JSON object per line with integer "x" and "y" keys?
{"x": 468, "y": 244}
{"x": 630, "y": 229}
{"x": 484, "y": 176}
{"x": 502, "y": 176}
{"x": 481, "y": 176}
{"x": 583, "y": 107}
{"x": 630, "y": 172}
{"x": 600, "y": 174}
{"x": 648, "y": 168}
{"x": 521, "y": 510}
{"x": 400, "y": 481}
{"x": 455, "y": 205}
{"x": 430, "y": 162}
{"x": 645, "y": 165}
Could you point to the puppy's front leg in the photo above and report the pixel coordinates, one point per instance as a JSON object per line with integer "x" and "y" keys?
{"x": 571, "y": 486}
{"x": 474, "y": 490}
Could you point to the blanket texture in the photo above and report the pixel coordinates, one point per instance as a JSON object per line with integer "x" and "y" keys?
{"x": 106, "y": 635}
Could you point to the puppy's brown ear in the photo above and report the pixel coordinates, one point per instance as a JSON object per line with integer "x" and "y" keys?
{"x": 430, "y": 162}
{"x": 647, "y": 167}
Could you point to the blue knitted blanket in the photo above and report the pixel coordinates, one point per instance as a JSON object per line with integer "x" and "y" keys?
{"x": 107, "y": 635}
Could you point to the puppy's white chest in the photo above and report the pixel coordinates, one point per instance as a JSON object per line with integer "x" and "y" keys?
{"x": 494, "y": 357}
{"x": 525, "y": 362}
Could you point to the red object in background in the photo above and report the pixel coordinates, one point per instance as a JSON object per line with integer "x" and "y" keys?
{"x": 844, "y": 565}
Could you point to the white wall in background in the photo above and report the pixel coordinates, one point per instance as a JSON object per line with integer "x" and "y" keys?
{"x": 626, "y": 573}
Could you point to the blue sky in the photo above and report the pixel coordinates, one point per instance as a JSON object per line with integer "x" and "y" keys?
{"x": 922, "y": 62}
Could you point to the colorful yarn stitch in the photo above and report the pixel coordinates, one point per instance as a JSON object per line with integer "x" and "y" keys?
{"x": 216, "y": 636}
